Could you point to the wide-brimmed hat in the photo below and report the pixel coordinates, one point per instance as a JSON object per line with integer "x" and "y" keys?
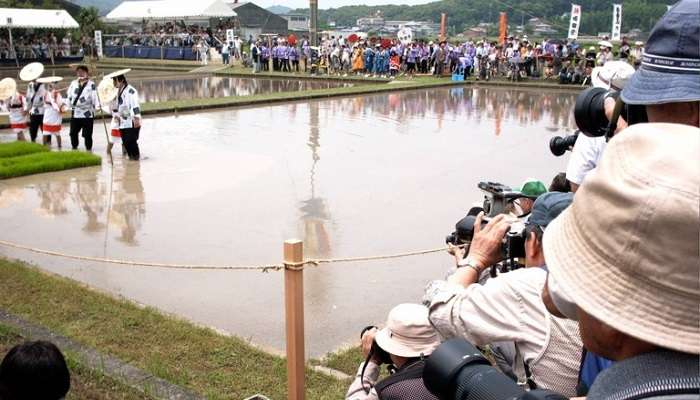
{"x": 31, "y": 71}
{"x": 117, "y": 73}
{"x": 8, "y": 88}
{"x": 613, "y": 75}
{"x": 626, "y": 251}
{"x": 106, "y": 91}
{"x": 408, "y": 332}
{"x": 50, "y": 79}
{"x": 670, "y": 68}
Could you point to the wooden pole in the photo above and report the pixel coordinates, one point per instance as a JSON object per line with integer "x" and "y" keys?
{"x": 294, "y": 314}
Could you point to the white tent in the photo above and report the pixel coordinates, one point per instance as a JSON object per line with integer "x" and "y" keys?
{"x": 33, "y": 18}
{"x": 169, "y": 9}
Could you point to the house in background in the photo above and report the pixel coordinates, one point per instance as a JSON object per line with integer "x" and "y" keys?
{"x": 297, "y": 22}
{"x": 253, "y": 20}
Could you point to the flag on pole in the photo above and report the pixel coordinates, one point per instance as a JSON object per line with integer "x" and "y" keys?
{"x": 575, "y": 21}
{"x": 98, "y": 43}
{"x": 617, "y": 22}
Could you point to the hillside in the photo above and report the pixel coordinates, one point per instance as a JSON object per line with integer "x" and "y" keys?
{"x": 597, "y": 14}
{"x": 104, "y": 6}
{"x": 278, "y": 9}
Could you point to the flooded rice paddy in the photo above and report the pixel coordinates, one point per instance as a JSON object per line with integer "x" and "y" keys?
{"x": 358, "y": 176}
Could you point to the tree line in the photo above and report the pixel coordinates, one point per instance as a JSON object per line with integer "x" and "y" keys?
{"x": 463, "y": 14}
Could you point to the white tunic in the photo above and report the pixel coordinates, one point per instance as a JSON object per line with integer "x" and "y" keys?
{"x": 84, "y": 105}
{"x": 126, "y": 107}
{"x": 53, "y": 106}
{"x": 35, "y": 98}
{"x": 16, "y": 105}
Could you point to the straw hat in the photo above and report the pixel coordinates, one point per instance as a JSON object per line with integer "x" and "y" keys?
{"x": 106, "y": 90}
{"x": 50, "y": 79}
{"x": 117, "y": 73}
{"x": 627, "y": 249}
{"x": 638, "y": 43}
{"x": 408, "y": 332}
{"x": 31, "y": 71}
{"x": 613, "y": 75}
{"x": 605, "y": 43}
{"x": 8, "y": 87}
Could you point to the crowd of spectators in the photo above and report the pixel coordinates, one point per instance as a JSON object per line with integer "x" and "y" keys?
{"x": 32, "y": 46}
{"x": 517, "y": 58}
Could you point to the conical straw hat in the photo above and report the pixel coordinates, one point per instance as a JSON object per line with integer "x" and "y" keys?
{"x": 50, "y": 79}
{"x": 106, "y": 90}
{"x": 8, "y": 87}
{"x": 31, "y": 71}
{"x": 117, "y": 73}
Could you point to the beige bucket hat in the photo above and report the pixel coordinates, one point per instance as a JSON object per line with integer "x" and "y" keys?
{"x": 627, "y": 250}
{"x": 408, "y": 332}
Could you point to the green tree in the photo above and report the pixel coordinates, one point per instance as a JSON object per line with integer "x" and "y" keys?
{"x": 89, "y": 20}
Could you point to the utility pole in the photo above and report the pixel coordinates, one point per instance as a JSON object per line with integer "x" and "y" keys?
{"x": 313, "y": 23}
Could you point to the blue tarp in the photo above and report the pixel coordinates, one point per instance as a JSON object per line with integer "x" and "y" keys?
{"x": 167, "y": 53}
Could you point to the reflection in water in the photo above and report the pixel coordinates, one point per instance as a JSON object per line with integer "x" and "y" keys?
{"x": 468, "y": 104}
{"x": 129, "y": 202}
{"x": 317, "y": 241}
{"x": 152, "y": 90}
{"x": 90, "y": 197}
{"x": 53, "y": 195}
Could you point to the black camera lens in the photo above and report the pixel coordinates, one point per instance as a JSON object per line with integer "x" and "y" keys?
{"x": 559, "y": 145}
{"x": 589, "y": 112}
{"x": 457, "y": 370}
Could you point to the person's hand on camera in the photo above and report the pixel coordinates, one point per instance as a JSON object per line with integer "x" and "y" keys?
{"x": 609, "y": 110}
{"x": 457, "y": 251}
{"x": 485, "y": 248}
{"x": 367, "y": 340}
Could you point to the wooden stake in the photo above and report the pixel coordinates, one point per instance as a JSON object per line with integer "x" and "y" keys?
{"x": 294, "y": 313}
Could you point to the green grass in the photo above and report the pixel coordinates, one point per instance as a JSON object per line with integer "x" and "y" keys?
{"x": 45, "y": 161}
{"x": 217, "y": 366}
{"x": 14, "y": 149}
{"x": 85, "y": 383}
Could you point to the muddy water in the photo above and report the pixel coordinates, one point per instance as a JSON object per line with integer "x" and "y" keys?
{"x": 352, "y": 177}
{"x": 188, "y": 87}
{"x": 178, "y": 86}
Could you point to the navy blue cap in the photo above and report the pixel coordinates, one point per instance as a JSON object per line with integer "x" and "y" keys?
{"x": 548, "y": 206}
{"x": 670, "y": 69}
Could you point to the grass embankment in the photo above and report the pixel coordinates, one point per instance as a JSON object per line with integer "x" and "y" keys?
{"x": 85, "y": 383}
{"x": 197, "y": 358}
{"x": 21, "y": 158}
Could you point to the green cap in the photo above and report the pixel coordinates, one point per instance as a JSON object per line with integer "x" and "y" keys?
{"x": 532, "y": 188}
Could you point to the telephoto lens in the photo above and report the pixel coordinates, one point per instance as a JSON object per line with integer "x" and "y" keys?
{"x": 589, "y": 112}
{"x": 559, "y": 145}
{"x": 457, "y": 370}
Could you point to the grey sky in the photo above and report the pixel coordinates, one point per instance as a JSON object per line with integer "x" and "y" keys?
{"x": 335, "y": 3}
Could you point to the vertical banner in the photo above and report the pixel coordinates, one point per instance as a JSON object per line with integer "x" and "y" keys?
{"x": 617, "y": 21}
{"x": 575, "y": 21}
{"x": 98, "y": 43}
{"x": 443, "y": 27}
{"x": 229, "y": 35}
{"x": 502, "y": 28}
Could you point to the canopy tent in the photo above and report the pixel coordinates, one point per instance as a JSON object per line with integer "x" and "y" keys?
{"x": 170, "y": 9}
{"x": 34, "y": 18}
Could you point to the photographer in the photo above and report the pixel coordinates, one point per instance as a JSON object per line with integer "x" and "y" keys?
{"x": 667, "y": 83}
{"x": 405, "y": 343}
{"x": 509, "y": 308}
{"x": 629, "y": 274}
{"x": 587, "y": 151}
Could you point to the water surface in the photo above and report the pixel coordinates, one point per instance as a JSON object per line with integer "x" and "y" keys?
{"x": 351, "y": 177}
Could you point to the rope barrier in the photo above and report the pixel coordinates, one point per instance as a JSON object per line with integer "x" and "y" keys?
{"x": 208, "y": 267}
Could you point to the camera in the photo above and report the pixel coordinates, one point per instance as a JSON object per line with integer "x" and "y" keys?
{"x": 498, "y": 199}
{"x": 589, "y": 112}
{"x": 457, "y": 370}
{"x": 559, "y": 145}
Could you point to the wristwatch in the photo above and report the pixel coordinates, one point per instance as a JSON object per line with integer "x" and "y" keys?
{"x": 469, "y": 263}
